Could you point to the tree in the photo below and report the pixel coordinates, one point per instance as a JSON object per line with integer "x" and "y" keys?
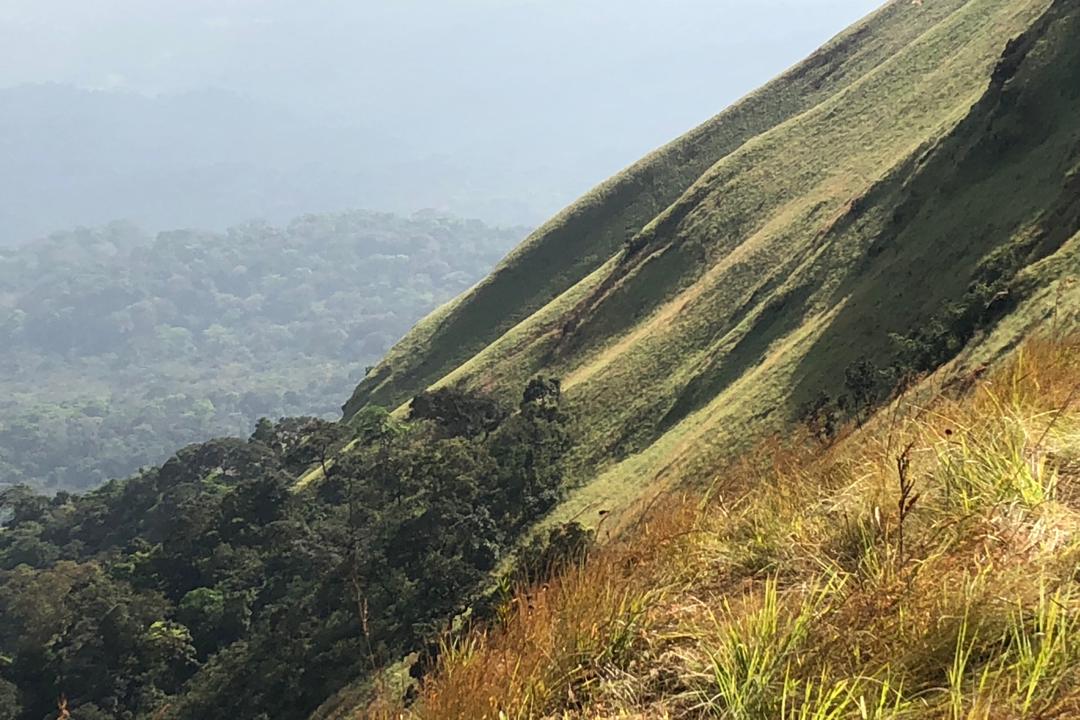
{"x": 20, "y": 504}
{"x": 542, "y": 392}
{"x": 325, "y": 439}
{"x": 528, "y": 450}
{"x": 264, "y": 431}
{"x": 821, "y": 417}
{"x": 862, "y": 381}
{"x": 202, "y": 610}
{"x": 373, "y": 423}
{"x": 209, "y": 585}
{"x": 10, "y": 705}
{"x": 456, "y": 412}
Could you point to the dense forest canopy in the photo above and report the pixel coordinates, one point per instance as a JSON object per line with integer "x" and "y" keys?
{"x": 213, "y": 587}
{"x": 118, "y": 347}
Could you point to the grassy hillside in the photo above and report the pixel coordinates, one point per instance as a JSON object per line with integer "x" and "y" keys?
{"x": 917, "y": 210}
{"x": 588, "y": 233}
{"x": 922, "y": 567}
{"x": 917, "y": 173}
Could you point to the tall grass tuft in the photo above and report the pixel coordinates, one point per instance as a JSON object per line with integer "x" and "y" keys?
{"x": 751, "y": 652}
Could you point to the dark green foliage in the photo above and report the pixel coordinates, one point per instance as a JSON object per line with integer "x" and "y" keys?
{"x": 822, "y": 416}
{"x": 546, "y": 556}
{"x": 202, "y": 611}
{"x": 527, "y": 448}
{"x": 990, "y": 295}
{"x": 10, "y": 707}
{"x": 373, "y": 423}
{"x": 457, "y": 412}
{"x": 209, "y": 585}
{"x": 927, "y": 347}
{"x": 541, "y": 394}
{"x": 865, "y": 385}
{"x": 117, "y": 347}
{"x": 930, "y": 345}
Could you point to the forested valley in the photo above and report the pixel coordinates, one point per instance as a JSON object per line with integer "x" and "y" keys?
{"x": 118, "y": 347}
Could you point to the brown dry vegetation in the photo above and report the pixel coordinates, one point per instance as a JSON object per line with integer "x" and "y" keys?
{"x": 791, "y": 588}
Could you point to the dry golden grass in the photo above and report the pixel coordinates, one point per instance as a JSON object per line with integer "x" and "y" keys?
{"x": 811, "y": 583}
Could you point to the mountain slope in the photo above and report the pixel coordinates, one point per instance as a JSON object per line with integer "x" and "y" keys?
{"x": 924, "y": 157}
{"x": 920, "y": 564}
{"x": 923, "y": 567}
{"x": 581, "y": 238}
{"x": 875, "y": 227}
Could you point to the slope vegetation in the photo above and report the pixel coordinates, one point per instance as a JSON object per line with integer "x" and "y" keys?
{"x": 911, "y": 242}
{"x": 914, "y": 179}
{"x": 586, "y": 235}
{"x": 922, "y": 567}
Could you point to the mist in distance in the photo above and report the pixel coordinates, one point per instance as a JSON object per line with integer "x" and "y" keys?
{"x": 204, "y": 114}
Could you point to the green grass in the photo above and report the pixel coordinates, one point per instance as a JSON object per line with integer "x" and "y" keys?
{"x": 747, "y": 674}
{"x": 849, "y": 199}
{"x": 589, "y": 232}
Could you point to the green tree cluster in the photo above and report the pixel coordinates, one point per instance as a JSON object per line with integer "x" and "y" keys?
{"x": 994, "y": 290}
{"x": 212, "y": 586}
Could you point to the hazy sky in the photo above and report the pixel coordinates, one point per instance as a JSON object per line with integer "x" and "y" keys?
{"x": 412, "y": 57}
{"x": 503, "y": 92}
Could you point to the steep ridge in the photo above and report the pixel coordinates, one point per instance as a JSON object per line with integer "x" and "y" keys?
{"x": 587, "y": 234}
{"x": 921, "y": 564}
{"x": 900, "y": 182}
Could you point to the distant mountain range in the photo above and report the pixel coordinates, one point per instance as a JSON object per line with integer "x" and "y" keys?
{"x": 210, "y": 159}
